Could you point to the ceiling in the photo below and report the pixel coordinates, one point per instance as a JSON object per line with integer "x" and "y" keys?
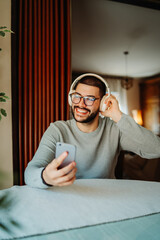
{"x": 102, "y": 30}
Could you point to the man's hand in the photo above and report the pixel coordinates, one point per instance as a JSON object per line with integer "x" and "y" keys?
{"x": 60, "y": 177}
{"x": 112, "y": 109}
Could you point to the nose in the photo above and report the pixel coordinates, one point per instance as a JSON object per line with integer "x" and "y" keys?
{"x": 82, "y": 103}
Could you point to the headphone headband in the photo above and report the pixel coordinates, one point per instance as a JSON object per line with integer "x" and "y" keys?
{"x": 90, "y": 75}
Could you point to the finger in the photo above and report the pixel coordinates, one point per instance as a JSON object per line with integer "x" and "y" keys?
{"x": 110, "y": 98}
{"x": 67, "y": 183}
{"x": 63, "y": 171}
{"x": 67, "y": 177}
{"x": 108, "y": 103}
{"x": 55, "y": 181}
{"x": 58, "y": 161}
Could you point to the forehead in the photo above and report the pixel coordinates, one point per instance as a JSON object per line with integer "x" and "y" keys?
{"x": 85, "y": 90}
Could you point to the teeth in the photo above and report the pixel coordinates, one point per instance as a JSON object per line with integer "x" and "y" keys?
{"x": 82, "y": 110}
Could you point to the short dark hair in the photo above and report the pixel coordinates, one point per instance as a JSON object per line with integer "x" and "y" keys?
{"x": 93, "y": 81}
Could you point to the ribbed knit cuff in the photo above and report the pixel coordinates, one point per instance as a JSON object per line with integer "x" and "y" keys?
{"x": 44, "y": 180}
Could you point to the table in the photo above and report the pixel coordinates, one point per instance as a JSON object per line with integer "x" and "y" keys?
{"x": 89, "y": 209}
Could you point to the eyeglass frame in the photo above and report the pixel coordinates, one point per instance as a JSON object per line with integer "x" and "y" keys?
{"x": 84, "y": 98}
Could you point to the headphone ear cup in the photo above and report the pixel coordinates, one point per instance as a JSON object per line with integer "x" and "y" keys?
{"x": 103, "y": 106}
{"x": 69, "y": 100}
{"x": 69, "y": 97}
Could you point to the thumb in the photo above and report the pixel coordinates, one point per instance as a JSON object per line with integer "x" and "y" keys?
{"x": 58, "y": 161}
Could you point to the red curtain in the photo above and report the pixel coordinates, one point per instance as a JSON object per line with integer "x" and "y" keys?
{"x": 43, "y": 71}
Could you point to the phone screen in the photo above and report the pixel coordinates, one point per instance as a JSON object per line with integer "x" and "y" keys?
{"x": 63, "y": 147}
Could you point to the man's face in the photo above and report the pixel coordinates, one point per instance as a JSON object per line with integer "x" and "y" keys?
{"x": 81, "y": 112}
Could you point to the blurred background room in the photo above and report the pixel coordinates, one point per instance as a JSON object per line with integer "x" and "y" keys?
{"x": 55, "y": 41}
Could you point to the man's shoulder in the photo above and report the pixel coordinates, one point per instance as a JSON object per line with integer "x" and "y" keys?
{"x": 61, "y": 124}
{"x": 57, "y": 129}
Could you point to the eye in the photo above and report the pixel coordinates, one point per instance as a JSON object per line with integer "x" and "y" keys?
{"x": 90, "y": 99}
{"x": 76, "y": 96}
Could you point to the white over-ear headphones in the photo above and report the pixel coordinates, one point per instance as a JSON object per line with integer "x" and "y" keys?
{"x": 102, "y": 105}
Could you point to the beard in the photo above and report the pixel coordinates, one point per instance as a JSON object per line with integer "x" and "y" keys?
{"x": 88, "y": 119}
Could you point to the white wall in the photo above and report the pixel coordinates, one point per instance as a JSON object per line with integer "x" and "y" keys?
{"x": 6, "y": 167}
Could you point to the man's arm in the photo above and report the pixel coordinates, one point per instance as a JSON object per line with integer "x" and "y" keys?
{"x": 134, "y": 137}
{"x": 42, "y": 170}
{"x": 138, "y": 139}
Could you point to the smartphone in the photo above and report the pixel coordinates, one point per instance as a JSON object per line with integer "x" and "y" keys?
{"x": 65, "y": 147}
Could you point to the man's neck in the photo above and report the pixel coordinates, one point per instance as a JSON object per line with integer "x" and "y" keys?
{"x": 88, "y": 127}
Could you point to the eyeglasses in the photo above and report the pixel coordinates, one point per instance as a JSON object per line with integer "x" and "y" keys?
{"x": 88, "y": 101}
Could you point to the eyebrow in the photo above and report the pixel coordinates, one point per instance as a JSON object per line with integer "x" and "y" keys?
{"x": 86, "y": 95}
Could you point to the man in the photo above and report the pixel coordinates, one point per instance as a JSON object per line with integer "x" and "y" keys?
{"x": 98, "y": 140}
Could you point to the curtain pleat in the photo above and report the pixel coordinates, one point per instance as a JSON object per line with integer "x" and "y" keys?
{"x": 44, "y": 70}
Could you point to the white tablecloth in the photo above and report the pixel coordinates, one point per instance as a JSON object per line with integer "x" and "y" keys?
{"x": 85, "y": 203}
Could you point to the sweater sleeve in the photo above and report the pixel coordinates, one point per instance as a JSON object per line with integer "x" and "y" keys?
{"x": 138, "y": 139}
{"x": 43, "y": 156}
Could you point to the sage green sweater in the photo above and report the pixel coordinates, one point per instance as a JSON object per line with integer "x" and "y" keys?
{"x": 97, "y": 152}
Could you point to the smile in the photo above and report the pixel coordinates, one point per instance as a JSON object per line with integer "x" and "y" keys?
{"x": 81, "y": 111}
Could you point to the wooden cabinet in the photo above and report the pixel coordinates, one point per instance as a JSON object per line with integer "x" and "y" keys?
{"x": 150, "y": 104}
